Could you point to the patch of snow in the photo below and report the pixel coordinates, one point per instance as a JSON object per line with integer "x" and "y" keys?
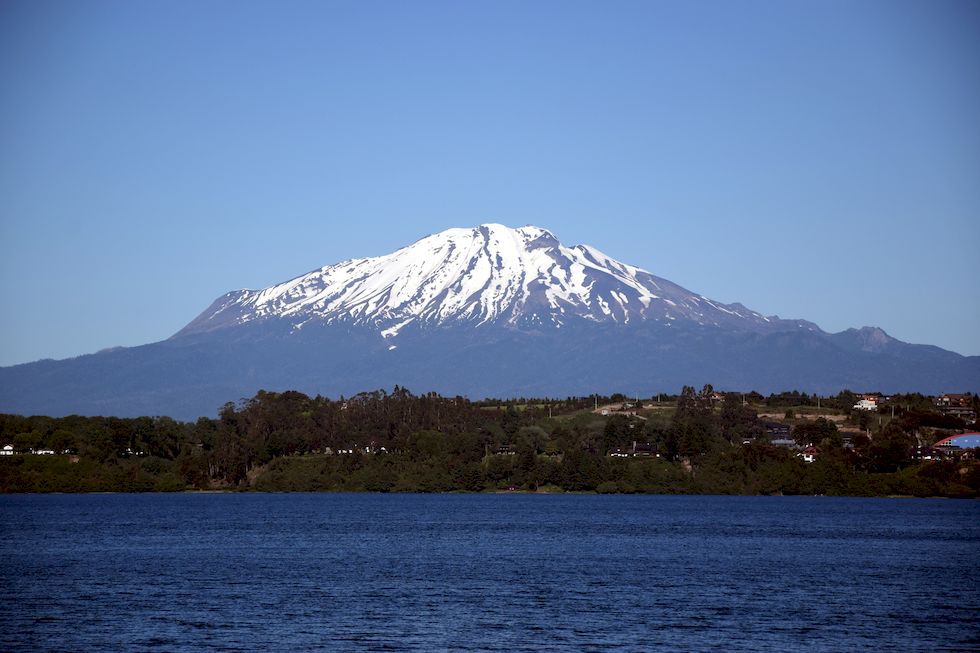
{"x": 391, "y": 332}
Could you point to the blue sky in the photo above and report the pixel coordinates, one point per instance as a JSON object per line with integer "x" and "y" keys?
{"x": 812, "y": 159}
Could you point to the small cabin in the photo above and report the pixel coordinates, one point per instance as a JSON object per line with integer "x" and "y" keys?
{"x": 809, "y": 454}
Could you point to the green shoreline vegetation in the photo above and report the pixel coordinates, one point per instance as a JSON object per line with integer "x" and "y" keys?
{"x": 697, "y": 442}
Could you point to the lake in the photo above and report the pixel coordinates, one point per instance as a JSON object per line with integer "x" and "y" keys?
{"x": 371, "y": 572}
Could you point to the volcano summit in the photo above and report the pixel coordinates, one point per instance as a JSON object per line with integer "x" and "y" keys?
{"x": 489, "y": 275}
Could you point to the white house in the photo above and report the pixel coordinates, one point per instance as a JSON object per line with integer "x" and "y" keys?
{"x": 8, "y": 450}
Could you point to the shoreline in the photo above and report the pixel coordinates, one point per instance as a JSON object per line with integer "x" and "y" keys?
{"x": 494, "y": 493}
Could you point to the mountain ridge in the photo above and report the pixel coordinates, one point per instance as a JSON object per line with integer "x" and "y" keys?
{"x": 483, "y": 311}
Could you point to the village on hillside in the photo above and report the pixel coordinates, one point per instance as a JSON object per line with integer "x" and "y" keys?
{"x": 854, "y": 425}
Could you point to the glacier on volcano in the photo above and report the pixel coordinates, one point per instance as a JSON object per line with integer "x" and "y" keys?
{"x": 486, "y": 274}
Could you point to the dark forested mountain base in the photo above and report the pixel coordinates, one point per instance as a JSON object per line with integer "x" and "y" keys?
{"x": 192, "y": 376}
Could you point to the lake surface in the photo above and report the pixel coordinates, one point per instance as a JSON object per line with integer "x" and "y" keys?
{"x": 362, "y": 572}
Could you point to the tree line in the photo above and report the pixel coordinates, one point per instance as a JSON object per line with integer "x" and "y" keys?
{"x": 697, "y": 441}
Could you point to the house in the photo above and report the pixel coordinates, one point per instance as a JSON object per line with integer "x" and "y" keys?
{"x": 644, "y": 450}
{"x": 8, "y": 450}
{"x": 926, "y": 453}
{"x": 870, "y": 401}
{"x": 809, "y": 454}
{"x": 953, "y": 401}
{"x": 637, "y": 450}
{"x": 776, "y": 430}
{"x": 956, "y": 405}
{"x": 966, "y": 414}
{"x": 958, "y": 443}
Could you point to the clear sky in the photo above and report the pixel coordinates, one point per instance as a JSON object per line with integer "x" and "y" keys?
{"x": 812, "y": 159}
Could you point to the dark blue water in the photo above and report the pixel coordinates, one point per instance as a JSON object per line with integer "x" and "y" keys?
{"x": 487, "y": 573}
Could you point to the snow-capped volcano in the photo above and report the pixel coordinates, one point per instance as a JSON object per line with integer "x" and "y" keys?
{"x": 486, "y": 312}
{"x": 486, "y": 274}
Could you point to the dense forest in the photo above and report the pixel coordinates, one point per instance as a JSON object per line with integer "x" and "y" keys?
{"x": 694, "y": 442}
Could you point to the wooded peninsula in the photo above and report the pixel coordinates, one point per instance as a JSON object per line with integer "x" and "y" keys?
{"x": 696, "y": 442}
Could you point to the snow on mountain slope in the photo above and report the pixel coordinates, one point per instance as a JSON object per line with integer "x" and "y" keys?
{"x": 489, "y": 274}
